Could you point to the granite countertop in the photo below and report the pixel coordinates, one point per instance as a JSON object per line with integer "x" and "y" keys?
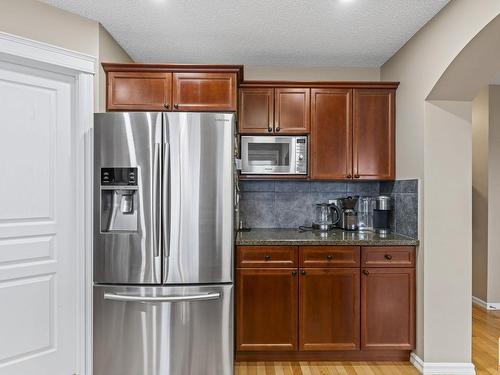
{"x": 275, "y": 237}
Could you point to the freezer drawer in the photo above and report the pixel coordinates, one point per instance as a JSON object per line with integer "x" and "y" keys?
{"x": 163, "y": 330}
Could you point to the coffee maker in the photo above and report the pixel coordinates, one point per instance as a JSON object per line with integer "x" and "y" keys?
{"x": 349, "y": 216}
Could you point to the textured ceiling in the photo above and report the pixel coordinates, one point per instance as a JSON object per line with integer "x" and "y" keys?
{"x": 341, "y": 33}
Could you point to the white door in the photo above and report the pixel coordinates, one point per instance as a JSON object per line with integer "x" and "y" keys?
{"x": 37, "y": 223}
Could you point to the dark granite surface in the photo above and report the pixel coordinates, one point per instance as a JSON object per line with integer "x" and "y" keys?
{"x": 257, "y": 237}
{"x": 289, "y": 204}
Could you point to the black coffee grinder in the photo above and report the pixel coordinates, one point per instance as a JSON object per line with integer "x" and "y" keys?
{"x": 382, "y": 214}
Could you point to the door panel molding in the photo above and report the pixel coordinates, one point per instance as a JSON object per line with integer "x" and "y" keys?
{"x": 72, "y": 72}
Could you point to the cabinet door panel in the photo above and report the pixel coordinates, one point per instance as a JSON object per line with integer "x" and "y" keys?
{"x": 292, "y": 111}
{"x": 204, "y": 91}
{"x": 266, "y": 309}
{"x": 331, "y": 134}
{"x": 374, "y": 134}
{"x": 329, "y": 309}
{"x": 256, "y": 114}
{"x": 138, "y": 91}
{"x": 388, "y": 309}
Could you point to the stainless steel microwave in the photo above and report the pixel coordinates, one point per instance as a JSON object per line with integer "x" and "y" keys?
{"x": 265, "y": 155}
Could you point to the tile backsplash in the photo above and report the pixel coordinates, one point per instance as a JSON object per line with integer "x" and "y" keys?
{"x": 289, "y": 204}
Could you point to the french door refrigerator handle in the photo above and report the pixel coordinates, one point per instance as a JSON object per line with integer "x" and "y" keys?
{"x": 156, "y": 222}
{"x": 189, "y": 298}
{"x": 165, "y": 209}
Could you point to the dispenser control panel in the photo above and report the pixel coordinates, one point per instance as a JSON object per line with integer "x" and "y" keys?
{"x": 119, "y": 176}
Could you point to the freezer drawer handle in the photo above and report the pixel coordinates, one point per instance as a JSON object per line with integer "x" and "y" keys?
{"x": 191, "y": 298}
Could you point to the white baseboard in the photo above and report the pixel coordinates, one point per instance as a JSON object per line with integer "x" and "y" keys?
{"x": 438, "y": 368}
{"x": 486, "y": 305}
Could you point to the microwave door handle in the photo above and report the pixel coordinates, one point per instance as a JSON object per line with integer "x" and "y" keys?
{"x": 188, "y": 298}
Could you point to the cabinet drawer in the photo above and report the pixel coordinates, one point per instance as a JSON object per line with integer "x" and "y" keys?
{"x": 329, "y": 256}
{"x": 393, "y": 256}
{"x": 266, "y": 256}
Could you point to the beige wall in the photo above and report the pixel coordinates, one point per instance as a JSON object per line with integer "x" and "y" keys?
{"x": 480, "y": 130}
{"x": 434, "y": 142}
{"x": 109, "y": 51}
{"x": 447, "y": 257}
{"x": 313, "y": 73}
{"x": 494, "y": 197}
{"x": 44, "y": 23}
{"x": 35, "y": 20}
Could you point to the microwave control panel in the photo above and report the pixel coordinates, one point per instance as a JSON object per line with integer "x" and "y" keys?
{"x": 301, "y": 155}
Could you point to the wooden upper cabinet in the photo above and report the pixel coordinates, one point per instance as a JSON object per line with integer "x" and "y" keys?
{"x": 256, "y": 110}
{"x": 204, "y": 92}
{"x": 139, "y": 91}
{"x": 388, "y": 309}
{"x": 374, "y": 134}
{"x": 329, "y": 309}
{"x": 291, "y": 110}
{"x": 266, "y": 309}
{"x": 331, "y": 134}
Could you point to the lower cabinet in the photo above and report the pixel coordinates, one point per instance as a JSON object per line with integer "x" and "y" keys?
{"x": 266, "y": 309}
{"x": 388, "y": 309}
{"x": 332, "y": 309}
{"x": 329, "y": 309}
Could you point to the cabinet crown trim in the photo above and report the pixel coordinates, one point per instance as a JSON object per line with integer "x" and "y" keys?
{"x": 322, "y": 84}
{"x": 191, "y": 68}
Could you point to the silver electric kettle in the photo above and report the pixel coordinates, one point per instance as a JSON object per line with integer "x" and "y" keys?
{"x": 325, "y": 216}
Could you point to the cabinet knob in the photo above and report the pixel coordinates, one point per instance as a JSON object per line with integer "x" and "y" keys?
{"x": 167, "y": 106}
{"x": 267, "y": 257}
{"x": 349, "y": 176}
{"x": 356, "y": 176}
{"x": 388, "y": 256}
{"x": 365, "y": 272}
{"x": 278, "y": 129}
{"x": 270, "y": 129}
{"x": 302, "y": 272}
{"x": 329, "y": 257}
{"x": 294, "y": 273}
{"x": 176, "y": 106}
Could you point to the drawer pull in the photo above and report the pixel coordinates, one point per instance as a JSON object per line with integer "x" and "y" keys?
{"x": 302, "y": 272}
{"x": 388, "y": 256}
{"x": 329, "y": 257}
{"x": 267, "y": 257}
{"x": 294, "y": 273}
{"x": 366, "y": 273}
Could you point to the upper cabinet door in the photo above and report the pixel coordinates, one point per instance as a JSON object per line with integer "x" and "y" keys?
{"x": 331, "y": 134}
{"x": 291, "y": 111}
{"x": 374, "y": 134}
{"x": 204, "y": 92}
{"x": 256, "y": 110}
{"x": 139, "y": 91}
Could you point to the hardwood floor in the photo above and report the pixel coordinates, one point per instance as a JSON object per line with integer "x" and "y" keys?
{"x": 485, "y": 334}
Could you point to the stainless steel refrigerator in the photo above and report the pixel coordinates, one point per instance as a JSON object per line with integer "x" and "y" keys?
{"x": 163, "y": 244}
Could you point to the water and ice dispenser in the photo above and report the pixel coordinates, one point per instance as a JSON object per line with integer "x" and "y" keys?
{"x": 119, "y": 200}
